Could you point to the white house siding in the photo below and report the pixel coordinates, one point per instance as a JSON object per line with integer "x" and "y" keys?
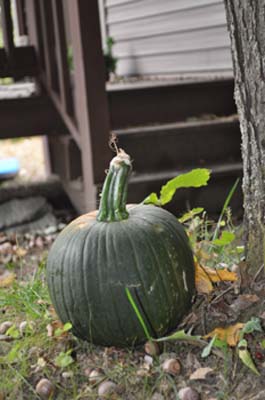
{"x": 173, "y": 37}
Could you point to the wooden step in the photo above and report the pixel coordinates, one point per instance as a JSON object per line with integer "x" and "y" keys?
{"x": 29, "y": 116}
{"x": 169, "y": 101}
{"x": 210, "y": 197}
{"x": 178, "y": 145}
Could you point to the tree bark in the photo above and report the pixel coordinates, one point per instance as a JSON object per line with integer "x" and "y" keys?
{"x": 246, "y": 22}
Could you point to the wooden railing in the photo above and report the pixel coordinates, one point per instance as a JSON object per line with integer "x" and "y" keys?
{"x": 78, "y": 94}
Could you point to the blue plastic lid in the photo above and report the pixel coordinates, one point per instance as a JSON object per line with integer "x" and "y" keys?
{"x": 9, "y": 167}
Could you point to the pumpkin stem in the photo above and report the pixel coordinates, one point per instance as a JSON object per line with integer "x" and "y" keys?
{"x": 114, "y": 193}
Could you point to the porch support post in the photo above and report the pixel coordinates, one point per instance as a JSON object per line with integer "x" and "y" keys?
{"x": 90, "y": 94}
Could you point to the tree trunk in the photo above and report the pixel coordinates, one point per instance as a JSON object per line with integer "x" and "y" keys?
{"x": 246, "y": 22}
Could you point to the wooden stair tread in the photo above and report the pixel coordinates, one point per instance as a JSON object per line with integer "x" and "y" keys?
{"x": 202, "y": 121}
{"x": 217, "y": 170}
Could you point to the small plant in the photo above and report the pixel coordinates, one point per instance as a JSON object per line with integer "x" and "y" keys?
{"x": 110, "y": 60}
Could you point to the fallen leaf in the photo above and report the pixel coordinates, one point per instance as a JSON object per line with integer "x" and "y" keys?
{"x": 7, "y": 279}
{"x": 244, "y": 301}
{"x": 221, "y": 275}
{"x": 205, "y": 277}
{"x": 245, "y": 356}
{"x": 202, "y": 280}
{"x": 230, "y": 334}
{"x": 200, "y": 373}
{"x": 57, "y": 329}
{"x": 20, "y": 252}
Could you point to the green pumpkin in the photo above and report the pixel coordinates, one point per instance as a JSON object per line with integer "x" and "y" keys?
{"x": 100, "y": 254}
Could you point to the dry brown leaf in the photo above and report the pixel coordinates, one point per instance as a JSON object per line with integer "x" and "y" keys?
{"x": 200, "y": 373}
{"x": 230, "y": 334}
{"x": 20, "y": 252}
{"x": 202, "y": 280}
{"x": 244, "y": 301}
{"x": 7, "y": 279}
{"x": 205, "y": 277}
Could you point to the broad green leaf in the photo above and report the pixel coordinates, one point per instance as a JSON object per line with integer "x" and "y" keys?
{"x": 190, "y": 214}
{"x": 225, "y": 239}
{"x": 59, "y": 331}
{"x": 252, "y": 326}
{"x": 13, "y": 331}
{"x": 179, "y": 335}
{"x": 67, "y": 326}
{"x": 63, "y": 360}
{"x": 152, "y": 199}
{"x": 195, "y": 178}
{"x": 207, "y": 349}
{"x": 245, "y": 356}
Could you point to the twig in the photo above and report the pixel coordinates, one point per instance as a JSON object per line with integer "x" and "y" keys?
{"x": 258, "y": 272}
{"x": 222, "y": 294}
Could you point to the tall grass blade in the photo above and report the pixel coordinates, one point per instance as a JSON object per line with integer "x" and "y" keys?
{"x": 226, "y": 204}
{"x": 138, "y": 313}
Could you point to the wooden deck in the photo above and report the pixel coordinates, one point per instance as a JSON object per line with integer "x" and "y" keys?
{"x": 167, "y": 126}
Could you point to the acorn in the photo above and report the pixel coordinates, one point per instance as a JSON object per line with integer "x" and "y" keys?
{"x": 171, "y": 366}
{"x": 106, "y": 388}
{"x": 152, "y": 348}
{"x": 45, "y": 389}
{"x": 67, "y": 374}
{"x": 23, "y": 327}
{"x": 188, "y": 393}
{"x": 5, "y": 326}
{"x": 96, "y": 375}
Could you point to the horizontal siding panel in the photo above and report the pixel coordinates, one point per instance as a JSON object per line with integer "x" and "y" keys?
{"x": 115, "y": 3}
{"x": 175, "y": 22}
{"x": 149, "y": 8}
{"x": 168, "y": 36}
{"x": 215, "y": 60}
{"x": 203, "y": 39}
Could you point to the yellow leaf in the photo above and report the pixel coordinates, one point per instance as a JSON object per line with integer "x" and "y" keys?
{"x": 220, "y": 275}
{"x": 7, "y": 278}
{"x": 230, "y": 334}
{"x": 205, "y": 277}
{"x": 202, "y": 280}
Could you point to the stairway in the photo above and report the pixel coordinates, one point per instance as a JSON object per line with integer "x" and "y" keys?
{"x": 170, "y": 127}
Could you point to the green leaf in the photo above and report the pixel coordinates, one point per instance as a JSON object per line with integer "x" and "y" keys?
{"x": 225, "y": 239}
{"x": 13, "y": 331}
{"x": 14, "y": 354}
{"x": 67, "y": 326}
{"x": 195, "y": 178}
{"x": 252, "y": 326}
{"x": 63, "y": 360}
{"x": 190, "y": 214}
{"x": 207, "y": 349}
{"x": 179, "y": 335}
{"x": 245, "y": 356}
{"x": 59, "y": 331}
{"x": 152, "y": 199}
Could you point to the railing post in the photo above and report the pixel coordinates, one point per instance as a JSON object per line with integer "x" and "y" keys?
{"x": 90, "y": 92}
{"x": 7, "y": 27}
{"x": 61, "y": 53}
{"x": 21, "y": 17}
